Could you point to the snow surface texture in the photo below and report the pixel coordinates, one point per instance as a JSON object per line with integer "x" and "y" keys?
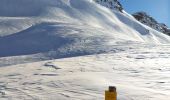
{"x": 36, "y": 30}
{"x": 138, "y": 72}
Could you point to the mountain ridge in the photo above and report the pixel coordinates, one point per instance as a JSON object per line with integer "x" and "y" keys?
{"x": 146, "y": 19}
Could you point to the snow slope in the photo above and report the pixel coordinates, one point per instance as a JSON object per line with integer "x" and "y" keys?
{"x": 71, "y": 27}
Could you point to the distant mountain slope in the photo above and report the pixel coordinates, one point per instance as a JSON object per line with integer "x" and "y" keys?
{"x": 151, "y": 22}
{"x": 66, "y": 28}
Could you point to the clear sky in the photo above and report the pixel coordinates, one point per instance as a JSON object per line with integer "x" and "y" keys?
{"x": 158, "y": 9}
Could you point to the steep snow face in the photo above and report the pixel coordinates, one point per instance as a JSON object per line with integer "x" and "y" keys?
{"x": 62, "y": 28}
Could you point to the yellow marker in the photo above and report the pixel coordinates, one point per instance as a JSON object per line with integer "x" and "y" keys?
{"x": 111, "y": 94}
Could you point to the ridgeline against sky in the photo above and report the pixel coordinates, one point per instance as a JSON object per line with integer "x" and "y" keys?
{"x": 158, "y": 9}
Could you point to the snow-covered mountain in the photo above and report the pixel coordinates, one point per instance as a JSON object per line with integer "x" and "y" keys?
{"x": 110, "y": 45}
{"x": 151, "y": 22}
{"x": 67, "y": 27}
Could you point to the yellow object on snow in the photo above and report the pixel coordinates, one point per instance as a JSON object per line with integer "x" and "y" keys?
{"x": 111, "y": 94}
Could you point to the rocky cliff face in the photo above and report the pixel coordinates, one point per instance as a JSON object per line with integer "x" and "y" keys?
{"x": 151, "y": 22}
{"x": 112, "y": 4}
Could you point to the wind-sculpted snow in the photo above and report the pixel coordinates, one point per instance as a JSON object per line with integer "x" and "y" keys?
{"x": 39, "y": 38}
{"x": 140, "y": 72}
{"x": 50, "y": 29}
{"x": 46, "y": 37}
{"x": 26, "y": 8}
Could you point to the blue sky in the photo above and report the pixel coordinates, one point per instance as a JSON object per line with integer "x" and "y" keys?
{"x": 158, "y": 9}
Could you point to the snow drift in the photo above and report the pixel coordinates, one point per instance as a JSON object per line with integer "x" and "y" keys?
{"x": 67, "y": 27}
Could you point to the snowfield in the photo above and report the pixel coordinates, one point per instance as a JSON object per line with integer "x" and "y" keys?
{"x": 75, "y": 49}
{"x": 141, "y": 72}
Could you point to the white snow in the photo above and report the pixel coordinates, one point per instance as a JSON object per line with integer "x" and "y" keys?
{"x": 139, "y": 73}
{"x": 50, "y": 29}
{"x": 112, "y": 48}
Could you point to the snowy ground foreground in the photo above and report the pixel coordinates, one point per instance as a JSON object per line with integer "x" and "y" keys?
{"x": 140, "y": 72}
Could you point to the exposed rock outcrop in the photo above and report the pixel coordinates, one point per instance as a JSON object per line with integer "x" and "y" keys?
{"x": 112, "y": 4}
{"x": 146, "y": 19}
